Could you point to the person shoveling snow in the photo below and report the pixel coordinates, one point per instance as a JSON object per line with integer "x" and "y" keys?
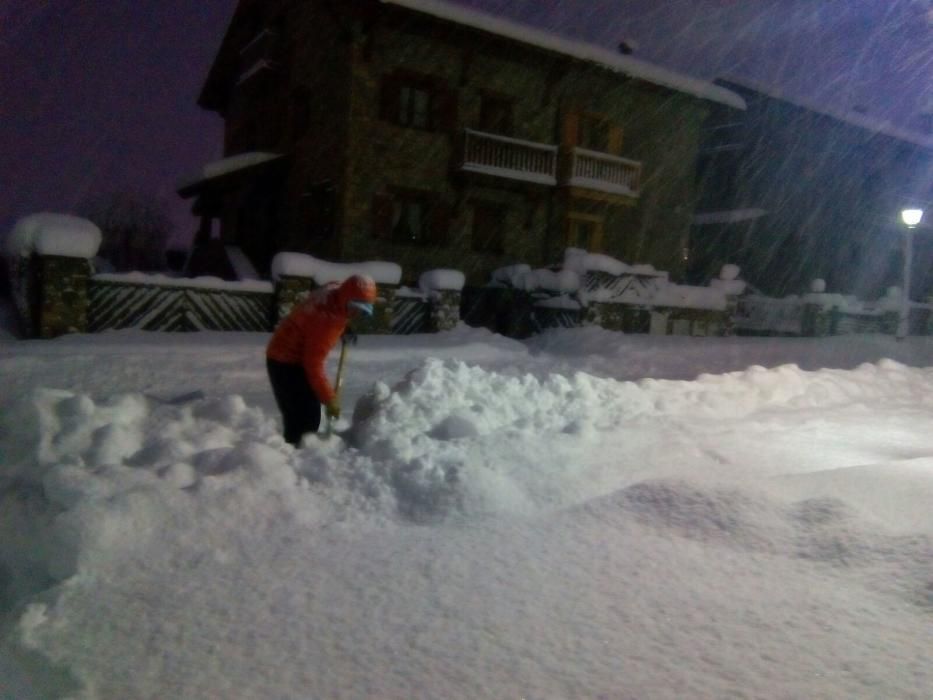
{"x": 299, "y": 347}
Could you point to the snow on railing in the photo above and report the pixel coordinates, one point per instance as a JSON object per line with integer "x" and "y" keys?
{"x": 503, "y": 156}
{"x": 605, "y": 172}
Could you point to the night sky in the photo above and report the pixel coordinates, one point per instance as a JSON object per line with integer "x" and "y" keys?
{"x": 99, "y": 96}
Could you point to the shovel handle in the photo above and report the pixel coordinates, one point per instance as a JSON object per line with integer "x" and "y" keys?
{"x": 329, "y": 427}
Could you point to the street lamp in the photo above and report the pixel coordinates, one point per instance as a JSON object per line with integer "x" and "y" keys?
{"x": 910, "y": 217}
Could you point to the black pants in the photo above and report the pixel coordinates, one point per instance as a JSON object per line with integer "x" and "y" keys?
{"x": 300, "y": 407}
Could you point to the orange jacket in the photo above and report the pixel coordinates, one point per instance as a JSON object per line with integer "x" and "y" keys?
{"x": 314, "y": 326}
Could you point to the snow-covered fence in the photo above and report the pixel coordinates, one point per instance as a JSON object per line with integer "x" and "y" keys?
{"x": 758, "y": 314}
{"x": 159, "y": 303}
{"x": 599, "y": 290}
{"x": 433, "y": 306}
{"x": 819, "y": 313}
{"x": 56, "y": 291}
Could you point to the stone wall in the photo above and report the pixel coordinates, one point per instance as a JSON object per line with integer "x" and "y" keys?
{"x": 659, "y": 128}
{"x": 62, "y": 298}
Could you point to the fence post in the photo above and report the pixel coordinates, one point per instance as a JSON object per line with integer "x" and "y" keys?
{"x": 445, "y": 309}
{"x": 62, "y": 299}
{"x": 816, "y": 321}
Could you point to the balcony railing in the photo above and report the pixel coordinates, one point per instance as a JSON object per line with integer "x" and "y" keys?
{"x": 605, "y": 173}
{"x": 490, "y": 154}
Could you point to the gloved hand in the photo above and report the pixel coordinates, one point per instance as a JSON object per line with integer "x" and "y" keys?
{"x": 332, "y": 408}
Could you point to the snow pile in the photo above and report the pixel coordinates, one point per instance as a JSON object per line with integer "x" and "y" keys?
{"x": 507, "y": 275}
{"x": 425, "y": 433}
{"x": 527, "y": 279}
{"x": 119, "y": 474}
{"x": 646, "y": 521}
{"x": 652, "y": 289}
{"x": 323, "y": 272}
{"x": 54, "y": 234}
{"x": 441, "y": 280}
{"x": 581, "y": 262}
{"x": 728, "y": 282}
{"x": 160, "y": 280}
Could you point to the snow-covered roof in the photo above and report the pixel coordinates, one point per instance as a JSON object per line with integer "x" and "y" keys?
{"x": 525, "y": 34}
{"x": 864, "y": 121}
{"x": 225, "y": 166}
{"x": 54, "y": 234}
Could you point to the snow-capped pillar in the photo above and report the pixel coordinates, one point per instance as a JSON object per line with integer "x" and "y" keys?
{"x": 817, "y": 320}
{"x": 50, "y": 258}
{"x": 445, "y": 310}
{"x": 63, "y": 295}
{"x": 443, "y": 289}
{"x": 733, "y": 288}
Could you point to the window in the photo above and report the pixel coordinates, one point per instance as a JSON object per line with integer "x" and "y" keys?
{"x": 418, "y": 101}
{"x": 495, "y": 115}
{"x": 411, "y": 217}
{"x": 409, "y": 221}
{"x": 594, "y": 133}
{"x": 488, "y": 234}
{"x": 414, "y": 107}
{"x": 585, "y": 231}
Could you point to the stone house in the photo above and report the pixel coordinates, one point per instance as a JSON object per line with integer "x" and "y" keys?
{"x": 435, "y": 136}
{"x": 792, "y": 192}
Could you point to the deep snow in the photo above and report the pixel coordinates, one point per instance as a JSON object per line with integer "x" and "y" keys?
{"x": 583, "y": 515}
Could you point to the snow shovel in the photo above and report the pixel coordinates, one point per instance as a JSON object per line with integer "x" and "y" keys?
{"x": 329, "y": 424}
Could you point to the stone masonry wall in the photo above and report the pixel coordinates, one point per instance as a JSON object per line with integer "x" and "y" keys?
{"x": 63, "y": 301}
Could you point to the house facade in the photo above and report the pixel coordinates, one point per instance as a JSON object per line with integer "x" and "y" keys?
{"x": 435, "y": 136}
{"x": 791, "y": 192}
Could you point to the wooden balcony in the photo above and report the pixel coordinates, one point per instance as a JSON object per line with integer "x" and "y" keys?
{"x": 589, "y": 173}
{"x": 602, "y": 172}
{"x": 505, "y": 157}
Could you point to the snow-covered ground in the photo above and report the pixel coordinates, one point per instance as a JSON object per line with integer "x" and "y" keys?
{"x": 583, "y": 515}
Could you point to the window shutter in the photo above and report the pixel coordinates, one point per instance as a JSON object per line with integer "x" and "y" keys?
{"x": 389, "y": 97}
{"x": 382, "y": 216}
{"x": 439, "y": 222}
{"x": 571, "y": 133}
{"x": 615, "y": 140}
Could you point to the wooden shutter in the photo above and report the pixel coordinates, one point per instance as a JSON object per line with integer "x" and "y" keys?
{"x": 570, "y": 134}
{"x": 382, "y": 209}
{"x": 615, "y": 140}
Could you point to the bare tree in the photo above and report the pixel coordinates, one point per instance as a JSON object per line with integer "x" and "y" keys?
{"x": 135, "y": 230}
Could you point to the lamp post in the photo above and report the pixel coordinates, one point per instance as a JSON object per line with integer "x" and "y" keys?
{"x": 910, "y": 217}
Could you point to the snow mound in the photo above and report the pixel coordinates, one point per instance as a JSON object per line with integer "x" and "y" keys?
{"x": 54, "y": 234}
{"x": 449, "y": 440}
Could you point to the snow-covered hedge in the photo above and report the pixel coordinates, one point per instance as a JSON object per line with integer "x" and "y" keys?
{"x": 323, "y": 272}
{"x": 588, "y": 278}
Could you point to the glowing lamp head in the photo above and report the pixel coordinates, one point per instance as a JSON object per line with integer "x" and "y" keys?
{"x": 911, "y": 217}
